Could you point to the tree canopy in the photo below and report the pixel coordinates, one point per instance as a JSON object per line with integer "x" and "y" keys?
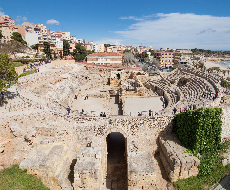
{"x": 34, "y": 46}
{"x": 12, "y": 47}
{"x": 66, "y": 47}
{"x": 47, "y": 50}
{"x": 129, "y": 59}
{"x": 1, "y": 36}
{"x": 18, "y": 37}
{"x": 7, "y": 72}
{"x": 79, "y": 53}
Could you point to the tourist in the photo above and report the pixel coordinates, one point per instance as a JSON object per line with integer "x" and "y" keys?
{"x": 82, "y": 111}
{"x": 190, "y": 107}
{"x": 180, "y": 110}
{"x": 104, "y": 115}
{"x": 194, "y": 106}
{"x": 101, "y": 114}
{"x": 174, "y": 110}
{"x": 2, "y": 93}
{"x": 150, "y": 111}
{"x": 76, "y": 97}
{"x": 38, "y": 70}
{"x": 68, "y": 110}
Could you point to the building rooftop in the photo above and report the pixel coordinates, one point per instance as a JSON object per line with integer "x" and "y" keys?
{"x": 102, "y": 54}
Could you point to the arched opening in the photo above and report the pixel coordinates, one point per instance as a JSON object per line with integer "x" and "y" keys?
{"x": 116, "y": 161}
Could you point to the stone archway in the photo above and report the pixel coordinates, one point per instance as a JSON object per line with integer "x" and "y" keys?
{"x": 116, "y": 174}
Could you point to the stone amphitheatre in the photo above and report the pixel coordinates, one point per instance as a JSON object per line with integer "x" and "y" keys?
{"x": 120, "y": 150}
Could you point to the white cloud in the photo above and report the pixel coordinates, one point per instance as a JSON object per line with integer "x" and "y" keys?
{"x": 20, "y": 18}
{"x": 176, "y": 30}
{"x": 109, "y": 41}
{"x": 52, "y": 21}
{"x": 1, "y": 13}
{"x": 131, "y": 18}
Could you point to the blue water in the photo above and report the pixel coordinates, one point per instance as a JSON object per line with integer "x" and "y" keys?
{"x": 226, "y": 63}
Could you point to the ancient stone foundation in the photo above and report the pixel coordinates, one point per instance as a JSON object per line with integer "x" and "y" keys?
{"x": 177, "y": 163}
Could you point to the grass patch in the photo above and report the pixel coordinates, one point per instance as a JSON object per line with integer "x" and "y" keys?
{"x": 17, "y": 64}
{"x": 28, "y": 73}
{"x": 203, "y": 182}
{"x": 13, "y": 178}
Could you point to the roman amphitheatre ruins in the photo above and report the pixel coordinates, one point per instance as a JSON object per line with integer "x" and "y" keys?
{"x": 130, "y": 147}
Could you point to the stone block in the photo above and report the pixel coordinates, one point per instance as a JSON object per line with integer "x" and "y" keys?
{"x": 177, "y": 163}
{"x": 16, "y": 130}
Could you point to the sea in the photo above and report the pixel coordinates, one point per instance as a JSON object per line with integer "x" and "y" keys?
{"x": 226, "y": 63}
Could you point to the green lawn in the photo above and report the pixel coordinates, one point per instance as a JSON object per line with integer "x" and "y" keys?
{"x": 28, "y": 73}
{"x": 18, "y": 64}
{"x": 13, "y": 178}
{"x": 204, "y": 182}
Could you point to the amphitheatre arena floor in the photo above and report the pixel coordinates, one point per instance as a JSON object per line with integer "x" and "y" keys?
{"x": 142, "y": 105}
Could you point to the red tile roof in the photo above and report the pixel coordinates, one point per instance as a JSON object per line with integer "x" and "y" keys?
{"x": 103, "y": 54}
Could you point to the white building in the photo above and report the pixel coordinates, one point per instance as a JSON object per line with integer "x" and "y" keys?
{"x": 31, "y": 39}
{"x": 59, "y": 43}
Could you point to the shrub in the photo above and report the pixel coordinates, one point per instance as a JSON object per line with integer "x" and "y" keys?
{"x": 199, "y": 130}
{"x": 225, "y": 83}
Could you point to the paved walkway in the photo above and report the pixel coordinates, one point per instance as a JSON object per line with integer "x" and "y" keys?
{"x": 224, "y": 184}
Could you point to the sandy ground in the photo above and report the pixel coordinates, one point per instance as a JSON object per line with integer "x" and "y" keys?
{"x": 142, "y": 105}
{"x": 209, "y": 64}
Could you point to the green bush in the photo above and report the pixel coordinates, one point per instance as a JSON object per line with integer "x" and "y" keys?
{"x": 17, "y": 64}
{"x": 13, "y": 178}
{"x": 199, "y": 130}
{"x": 16, "y": 60}
{"x": 224, "y": 83}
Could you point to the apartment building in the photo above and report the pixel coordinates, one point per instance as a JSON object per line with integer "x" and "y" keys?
{"x": 106, "y": 59}
{"x": 59, "y": 45}
{"x": 98, "y": 47}
{"x": 116, "y": 48}
{"x": 7, "y": 33}
{"x": 66, "y": 36}
{"x": 79, "y": 41}
{"x": 166, "y": 58}
{"x": 5, "y": 20}
{"x": 89, "y": 47}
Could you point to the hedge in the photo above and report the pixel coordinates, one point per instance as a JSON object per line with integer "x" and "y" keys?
{"x": 224, "y": 83}
{"x": 199, "y": 130}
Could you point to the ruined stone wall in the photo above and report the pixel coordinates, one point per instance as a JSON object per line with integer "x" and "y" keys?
{"x": 61, "y": 62}
{"x": 177, "y": 163}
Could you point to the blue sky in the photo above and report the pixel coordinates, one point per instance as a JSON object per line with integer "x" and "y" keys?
{"x": 170, "y": 23}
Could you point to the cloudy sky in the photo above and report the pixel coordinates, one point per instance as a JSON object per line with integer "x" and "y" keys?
{"x": 160, "y": 24}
